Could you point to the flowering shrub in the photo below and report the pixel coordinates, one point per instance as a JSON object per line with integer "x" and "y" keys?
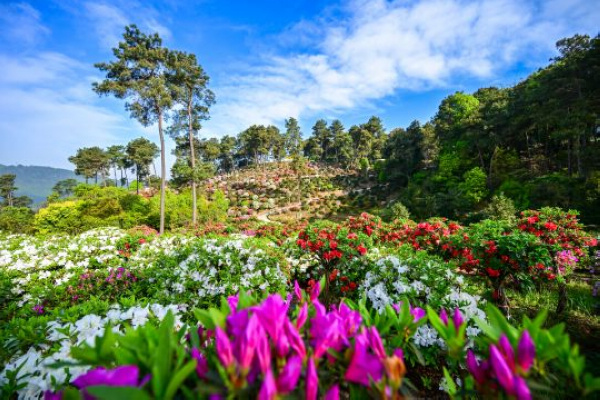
{"x": 558, "y": 229}
{"x": 427, "y": 235}
{"x": 296, "y": 347}
{"x": 332, "y": 246}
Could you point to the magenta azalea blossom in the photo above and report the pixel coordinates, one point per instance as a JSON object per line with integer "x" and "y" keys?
{"x": 475, "y": 368}
{"x": 223, "y": 346}
{"x": 417, "y": 313}
{"x": 49, "y": 395}
{"x": 272, "y": 313}
{"x": 126, "y": 375}
{"x": 363, "y": 364}
{"x": 201, "y": 363}
{"x": 521, "y": 390}
{"x": 248, "y": 343}
{"x": 503, "y": 373}
{"x": 444, "y": 317}
{"x": 526, "y": 353}
{"x": 507, "y": 351}
{"x": 296, "y": 342}
{"x": 314, "y": 294}
{"x": 290, "y": 374}
{"x": 233, "y": 302}
{"x": 333, "y": 393}
{"x": 457, "y": 318}
{"x": 268, "y": 390}
{"x": 302, "y": 316}
{"x": 298, "y": 291}
{"x": 312, "y": 381}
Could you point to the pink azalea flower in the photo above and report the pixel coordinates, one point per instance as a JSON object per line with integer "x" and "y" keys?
{"x": 364, "y": 365}
{"x": 312, "y": 381}
{"x": 268, "y": 390}
{"x": 290, "y": 374}
{"x": 333, "y": 393}
{"x": 223, "y": 346}
{"x": 302, "y": 316}
{"x": 526, "y": 351}
{"x": 501, "y": 369}
{"x": 201, "y": 363}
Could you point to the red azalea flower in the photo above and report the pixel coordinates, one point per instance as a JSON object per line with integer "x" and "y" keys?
{"x": 361, "y": 249}
{"x": 493, "y": 273}
{"x": 551, "y": 226}
{"x": 333, "y": 245}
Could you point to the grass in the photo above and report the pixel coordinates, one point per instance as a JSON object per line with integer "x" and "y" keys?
{"x": 581, "y": 317}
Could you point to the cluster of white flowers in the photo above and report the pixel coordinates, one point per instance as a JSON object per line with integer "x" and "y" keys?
{"x": 35, "y": 365}
{"x": 52, "y": 261}
{"x": 210, "y": 260}
{"x": 389, "y": 279}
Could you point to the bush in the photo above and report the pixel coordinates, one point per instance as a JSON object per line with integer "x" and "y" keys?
{"x": 500, "y": 208}
{"x": 397, "y": 211}
{"x": 60, "y": 217}
{"x": 16, "y": 219}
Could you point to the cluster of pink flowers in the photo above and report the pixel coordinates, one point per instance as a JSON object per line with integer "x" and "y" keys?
{"x": 263, "y": 342}
{"x": 505, "y": 369}
{"x": 272, "y": 349}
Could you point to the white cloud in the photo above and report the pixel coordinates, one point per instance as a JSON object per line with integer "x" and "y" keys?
{"x": 21, "y": 23}
{"x": 109, "y": 19}
{"x": 379, "y": 47}
{"x": 48, "y": 111}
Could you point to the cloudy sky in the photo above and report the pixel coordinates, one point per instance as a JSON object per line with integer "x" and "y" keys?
{"x": 268, "y": 60}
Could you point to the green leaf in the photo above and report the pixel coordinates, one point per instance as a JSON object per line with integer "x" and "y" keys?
{"x": 71, "y": 394}
{"x": 450, "y": 382}
{"x": 437, "y": 323}
{"x": 178, "y": 379}
{"x": 218, "y": 317}
{"x": 103, "y": 392}
{"x": 161, "y": 367}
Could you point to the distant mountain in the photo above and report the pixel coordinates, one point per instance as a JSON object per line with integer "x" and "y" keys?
{"x": 36, "y": 182}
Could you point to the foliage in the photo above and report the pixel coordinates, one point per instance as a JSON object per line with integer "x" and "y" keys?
{"x": 16, "y": 219}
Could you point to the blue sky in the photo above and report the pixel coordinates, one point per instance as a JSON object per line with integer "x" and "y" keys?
{"x": 267, "y": 60}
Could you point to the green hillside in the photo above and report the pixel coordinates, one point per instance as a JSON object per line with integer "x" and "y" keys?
{"x": 35, "y": 181}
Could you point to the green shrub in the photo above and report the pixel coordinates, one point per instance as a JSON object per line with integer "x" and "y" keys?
{"x": 397, "y": 211}
{"x": 16, "y": 219}
{"x": 60, "y": 217}
{"x": 500, "y": 208}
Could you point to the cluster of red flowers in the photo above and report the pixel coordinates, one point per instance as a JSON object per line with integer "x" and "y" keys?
{"x": 365, "y": 223}
{"x": 346, "y": 285}
{"x": 331, "y": 245}
{"x": 131, "y": 244}
{"x": 426, "y": 235}
{"x": 557, "y": 228}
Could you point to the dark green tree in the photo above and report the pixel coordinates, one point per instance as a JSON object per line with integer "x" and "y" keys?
{"x": 141, "y": 152}
{"x": 293, "y": 137}
{"x": 7, "y": 189}
{"x": 191, "y": 92}
{"x": 65, "y": 187}
{"x": 140, "y": 75}
{"x": 115, "y": 154}
{"x": 90, "y": 162}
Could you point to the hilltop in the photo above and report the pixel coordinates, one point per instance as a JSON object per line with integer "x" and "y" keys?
{"x": 36, "y": 181}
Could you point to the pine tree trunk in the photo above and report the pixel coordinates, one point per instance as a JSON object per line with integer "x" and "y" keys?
{"x": 193, "y": 160}
{"x": 163, "y": 172}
